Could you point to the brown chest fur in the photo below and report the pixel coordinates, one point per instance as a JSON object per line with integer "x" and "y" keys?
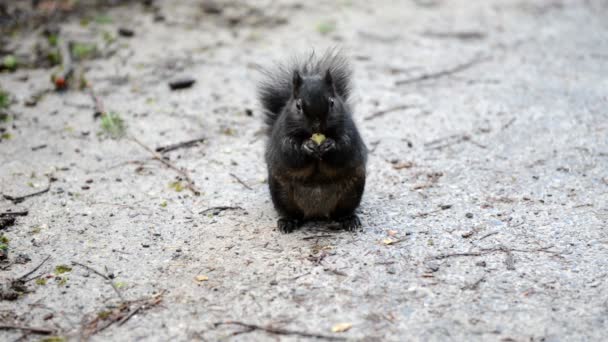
{"x": 317, "y": 190}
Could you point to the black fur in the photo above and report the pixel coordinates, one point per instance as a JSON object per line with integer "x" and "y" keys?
{"x": 309, "y": 180}
{"x": 277, "y": 87}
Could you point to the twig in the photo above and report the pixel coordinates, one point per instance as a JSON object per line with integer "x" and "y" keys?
{"x": 103, "y": 276}
{"x": 487, "y": 235}
{"x": 172, "y": 147}
{"x": 14, "y": 213}
{"x": 41, "y": 331}
{"x": 440, "y": 140}
{"x": 462, "y": 35}
{"x": 220, "y": 208}
{"x": 501, "y": 249}
{"x": 120, "y": 314}
{"x": 451, "y": 255}
{"x": 19, "y": 199}
{"x": 336, "y": 272}
{"x": 425, "y": 214}
{"x": 131, "y": 314}
{"x": 451, "y": 140}
{"x": 99, "y": 108}
{"x": 299, "y": 276}
{"x": 446, "y": 72}
{"x": 240, "y": 181}
{"x": 508, "y": 124}
{"x": 475, "y": 285}
{"x": 317, "y": 237}
{"x": 279, "y": 331}
{"x": 33, "y": 270}
{"x": 189, "y": 182}
{"x": 386, "y": 111}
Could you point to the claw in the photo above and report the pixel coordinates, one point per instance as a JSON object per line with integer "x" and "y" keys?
{"x": 310, "y": 147}
{"x": 327, "y": 145}
{"x": 350, "y": 223}
{"x": 287, "y": 226}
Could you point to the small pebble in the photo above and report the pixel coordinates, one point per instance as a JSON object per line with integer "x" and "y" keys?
{"x": 125, "y": 32}
{"x": 181, "y": 83}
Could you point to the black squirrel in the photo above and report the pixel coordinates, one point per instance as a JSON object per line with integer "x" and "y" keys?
{"x": 320, "y": 176}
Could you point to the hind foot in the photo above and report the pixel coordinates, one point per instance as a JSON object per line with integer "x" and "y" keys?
{"x": 350, "y": 223}
{"x": 287, "y": 225}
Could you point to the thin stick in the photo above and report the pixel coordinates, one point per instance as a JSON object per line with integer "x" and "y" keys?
{"x": 439, "y": 140}
{"x": 41, "y": 331}
{"x": 317, "y": 236}
{"x": 501, "y": 249}
{"x": 445, "y": 256}
{"x": 279, "y": 331}
{"x": 172, "y": 147}
{"x": 14, "y": 213}
{"x": 425, "y": 214}
{"x": 99, "y": 108}
{"x": 34, "y": 270}
{"x": 451, "y": 140}
{"x": 190, "y": 183}
{"x": 220, "y": 208}
{"x": 103, "y": 276}
{"x": 487, "y": 235}
{"x": 508, "y": 124}
{"x": 240, "y": 181}
{"x": 386, "y": 111}
{"x": 434, "y": 75}
{"x": 119, "y": 317}
{"x": 19, "y": 199}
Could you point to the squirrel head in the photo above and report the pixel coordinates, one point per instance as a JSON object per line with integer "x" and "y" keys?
{"x": 315, "y": 106}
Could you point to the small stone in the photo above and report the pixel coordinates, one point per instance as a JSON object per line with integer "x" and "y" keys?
{"x": 126, "y": 32}
{"x": 181, "y": 83}
{"x": 469, "y": 215}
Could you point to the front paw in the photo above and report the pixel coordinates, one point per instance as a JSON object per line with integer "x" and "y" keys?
{"x": 350, "y": 223}
{"x": 311, "y": 148}
{"x": 287, "y": 225}
{"x": 327, "y": 145}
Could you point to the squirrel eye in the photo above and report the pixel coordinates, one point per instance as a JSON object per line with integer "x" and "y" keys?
{"x": 299, "y": 104}
{"x": 331, "y": 101}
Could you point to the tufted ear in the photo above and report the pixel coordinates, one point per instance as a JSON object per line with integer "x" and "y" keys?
{"x": 297, "y": 83}
{"x": 329, "y": 81}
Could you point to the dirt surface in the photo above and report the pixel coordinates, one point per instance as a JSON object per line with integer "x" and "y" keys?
{"x": 485, "y": 214}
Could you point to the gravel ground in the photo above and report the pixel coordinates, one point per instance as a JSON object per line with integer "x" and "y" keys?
{"x": 484, "y": 215}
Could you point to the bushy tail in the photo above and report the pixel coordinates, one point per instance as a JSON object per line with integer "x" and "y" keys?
{"x": 276, "y": 88}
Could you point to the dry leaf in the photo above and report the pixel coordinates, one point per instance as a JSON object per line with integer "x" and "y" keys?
{"x": 388, "y": 241}
{"x": 403, "y": 165}
{"x": 341, "y": 327}
{"x": 201, "y": 278}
